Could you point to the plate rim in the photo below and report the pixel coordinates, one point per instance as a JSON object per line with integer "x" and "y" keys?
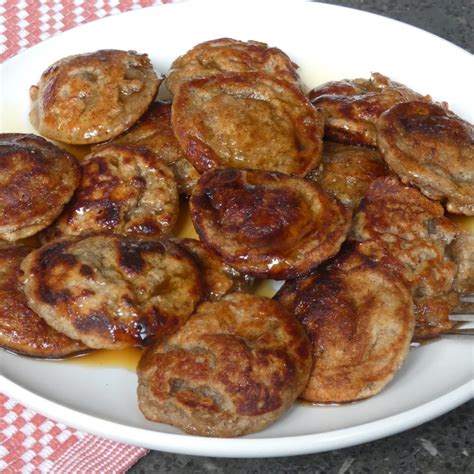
{"x": 243, "y": 447}
{"x": 238, "y": 447}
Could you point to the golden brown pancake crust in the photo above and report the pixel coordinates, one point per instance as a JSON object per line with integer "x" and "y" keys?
{"x": 218, "y": 278}
{"x": 428, "y": 146}
{"x": 266, "y": 224}
{"x": 416, "y": 233}
{"x": 154, "y": 132}
{"x": 92, "y": 97}
{"x": 347, "y": 171}
{"x": 358, "y": 313}
{"x": 21, "y": 329}
{"x": 235, "y": 367}
{"x": 351, "y": 107}
{"x": 229, "y": 55}
{"x": 124, "y": 190}
{"x": 112, "y": 291}
{"x": 36, "y": 179}
{"x": 247, "y": 120}
{"x": 462, "y": 252}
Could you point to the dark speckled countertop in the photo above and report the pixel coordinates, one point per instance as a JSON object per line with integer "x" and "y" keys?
{"x": 444, "y": 445}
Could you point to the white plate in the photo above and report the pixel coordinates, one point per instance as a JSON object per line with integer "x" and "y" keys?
{"x": 329, "y": 43}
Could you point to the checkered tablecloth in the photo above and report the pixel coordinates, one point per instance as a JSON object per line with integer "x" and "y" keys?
{"x": 29, "y": 442}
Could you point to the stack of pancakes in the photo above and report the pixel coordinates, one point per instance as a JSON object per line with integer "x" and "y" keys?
{"x": 354, "y": 225}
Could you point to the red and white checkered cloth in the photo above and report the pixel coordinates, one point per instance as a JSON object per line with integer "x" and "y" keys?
{"x": 29, "y": 442}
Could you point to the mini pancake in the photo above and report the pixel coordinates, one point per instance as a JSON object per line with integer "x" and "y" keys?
{"x": 218, "y": 278}
{"x": 247, "y": 120}
{"x": 347, "y": 171}
{"x": 236, "y": 366}
{"x": 111, "y": 291}
{"x": 416, "y": 233}
{"x": 429, "y": 147}
{"x": 154, "y": 132}
{"x": 229, "y": 55}
{"x": 358, "y": 313}
{"x": 21, "y": 329}
{"x": 124, "y": 190}
{"x": 36, "y": 180}
{"x": 92, "y": 97}
{"x": 462, "y": 252}
{"x": 351, "y": 107}
{"x": 267, "y": 225}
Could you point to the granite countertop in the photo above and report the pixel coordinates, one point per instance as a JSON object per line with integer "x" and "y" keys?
{"x": 443, "y": 445}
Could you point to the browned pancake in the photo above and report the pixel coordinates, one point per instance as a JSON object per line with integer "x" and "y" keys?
{"x": 247, "y": 120}
{"x": 125, "y": 190}
{"x": 351, "y": 107}
{"x": 428, "y": 146}
{"x": 36, "y": 180}
{"x": 347, "y": 171}
{"x": 92, "y": 97}
{"x": 236, "y": 366}
{"x": 358, "y": 313}
{"x": 112, "y": 291}
{"x": 21, "y": 329}
{"x": 229, "y": 55}
{"x": 154, "y": 132}
{"x": 416, "y": 233}
{"x": 268, "y": 225}
{"x": 462, "y": 252}
{"x": 218, "y": 278}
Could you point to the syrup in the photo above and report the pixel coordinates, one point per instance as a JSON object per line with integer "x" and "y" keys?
{"x": 124, "y": 358}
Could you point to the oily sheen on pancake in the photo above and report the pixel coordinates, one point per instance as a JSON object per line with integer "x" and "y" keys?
{"x": 111, "y": 291}
{"x": 358, "y": 313}
{"x": 236, "y": 366}
{"x": 21, "y": 329}
{"x": 267, "y": 224}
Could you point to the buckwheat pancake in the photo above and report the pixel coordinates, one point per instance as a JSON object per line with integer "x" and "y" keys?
{"x": 236, "y": 366}
{"x": 416, "y": 232}
{"x": 229, "y": 55}
{"x": 218, "y": 278}
{"x": 125, "y": 190}
{"x": 351, "y": 108}
{"x": 37, "y": 179}
{"x": 347, "y": 171}
{"x": 358, "y": 313}
{"x": 462, "y": 252}
{"x": 21, "y": 329}
{"x": 247, "y": 120}
{"x": 428, "y": 146}
{"x": 110, "y": 291}
{"x": 154, "y": 132}
{"x": 267, "y": 224}
{"x": 92, "y": 97}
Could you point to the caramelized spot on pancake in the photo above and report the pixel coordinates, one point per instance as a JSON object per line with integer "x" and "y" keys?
{"x": 267, "y": 224}
{"x": 235, "y": 367}
{"x": 428, "y": 146}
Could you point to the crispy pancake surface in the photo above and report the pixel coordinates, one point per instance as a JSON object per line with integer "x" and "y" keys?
{"x": 229, "y": 55}
{"x": 347, "y": 171}
{"x": 21, "y": 329}
{"x": 358, "y": 313}
{"x": 247, "y": 120}
{"x": 235, "y": 367}
{"x": 267, "y": 224}
{"x": 218, "y": 278}
{"x": 92, "y": 97}
{"x": 36, "y": 180}
{"x": 111, "y": 291}
{"x": 428, "y": 146}
{"x": 154, "y": 132}
{"x": 351, "y": 107}
{"x": 462, "y": 252}
{"x": 125, "y": 190}
{"x": 416, "y": 233}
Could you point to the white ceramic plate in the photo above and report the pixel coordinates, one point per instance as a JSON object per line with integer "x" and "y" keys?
{"x": 329, "y": 43}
